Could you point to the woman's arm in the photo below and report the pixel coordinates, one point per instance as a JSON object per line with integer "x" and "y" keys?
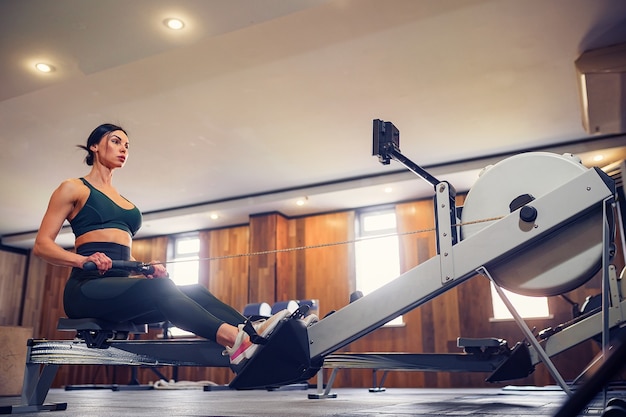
{"x": 61, "y": 205}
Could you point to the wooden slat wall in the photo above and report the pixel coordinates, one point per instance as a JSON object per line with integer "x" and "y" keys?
{"x": 150, "y": 250}
{"x": 288, "y": 284}
{"x": 35, "y": 286}
{"x": 12, "y": 275}
{"x": 324, "y": 273}
{"x": 328, "y": 271}
{"x": 262, "y": 270}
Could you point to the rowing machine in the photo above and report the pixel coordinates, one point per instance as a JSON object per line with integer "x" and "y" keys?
{"x": 552, "y": 198}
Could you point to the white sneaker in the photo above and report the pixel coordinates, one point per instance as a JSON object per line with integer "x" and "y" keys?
{"x": 310, "y": 320}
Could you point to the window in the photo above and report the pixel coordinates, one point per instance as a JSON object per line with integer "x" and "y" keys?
{"x": 377, "y": 251}
{"x": 184, "y": 264}
{"x": 183, "y": 267}
{"x": 527, "y": 307}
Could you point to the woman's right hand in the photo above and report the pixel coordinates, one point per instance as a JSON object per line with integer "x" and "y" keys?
{"x": 103, "y": 263}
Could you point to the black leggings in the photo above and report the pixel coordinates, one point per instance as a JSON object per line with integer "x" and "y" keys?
{"x": 116, "y": 297}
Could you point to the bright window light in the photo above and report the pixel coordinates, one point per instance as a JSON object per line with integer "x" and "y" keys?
{"x": 185, "y": 271}
{"x": 527, "y": 307}
{"x": 374, "y": 262}
{"x": 187, "y": 246}
{"x": 377, "y": 222}
{"x": 377, "y": 258}
{"x": 184, "y": 265}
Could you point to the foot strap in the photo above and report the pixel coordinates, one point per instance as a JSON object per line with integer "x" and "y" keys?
{"x": 300, "y": 313}
{"x": 254, "y": 336}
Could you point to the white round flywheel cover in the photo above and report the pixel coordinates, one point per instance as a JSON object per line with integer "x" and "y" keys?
{"x": 557, "y": 264}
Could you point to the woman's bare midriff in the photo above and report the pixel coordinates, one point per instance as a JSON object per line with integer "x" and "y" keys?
{"x": 105, "y": 235}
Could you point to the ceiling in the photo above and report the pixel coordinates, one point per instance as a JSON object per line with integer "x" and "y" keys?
{"x": 257, "y": 103}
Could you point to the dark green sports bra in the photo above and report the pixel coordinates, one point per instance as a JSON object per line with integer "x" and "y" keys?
{"x": 100, "y": 212}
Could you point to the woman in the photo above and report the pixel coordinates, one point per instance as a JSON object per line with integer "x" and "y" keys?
{"x": 104, "y": 223}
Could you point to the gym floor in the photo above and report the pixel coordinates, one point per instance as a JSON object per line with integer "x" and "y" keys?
{"x": 293, "y": 401}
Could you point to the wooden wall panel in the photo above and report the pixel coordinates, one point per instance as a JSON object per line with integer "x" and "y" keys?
{"x": 228, "y": 278}
{"x": 12, "y": 276}
{"x": 35, "y": 285}
{"x": 272, "y": 275}
{"x": 262, "y": 273}
{"x": 150, "y": 250}
{"x": 287, "y": 283}
{"x": 326, "y": 273}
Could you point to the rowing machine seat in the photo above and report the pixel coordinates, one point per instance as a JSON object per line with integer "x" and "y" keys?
{"x": 95, "y": 332}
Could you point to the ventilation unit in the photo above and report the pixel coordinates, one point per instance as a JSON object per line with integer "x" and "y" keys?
{"x": 602, "y": 80}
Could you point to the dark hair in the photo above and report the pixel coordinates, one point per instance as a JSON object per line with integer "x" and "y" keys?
{"x": 95, "y": 137}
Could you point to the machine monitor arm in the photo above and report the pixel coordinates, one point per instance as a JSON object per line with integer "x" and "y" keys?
{"x": 386, "y": 146}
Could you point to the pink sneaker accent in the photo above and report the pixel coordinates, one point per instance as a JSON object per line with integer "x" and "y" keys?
{"x": 245, "y": 350}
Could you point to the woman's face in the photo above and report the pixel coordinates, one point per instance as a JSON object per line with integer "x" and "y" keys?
{"x": 112, "y": 150}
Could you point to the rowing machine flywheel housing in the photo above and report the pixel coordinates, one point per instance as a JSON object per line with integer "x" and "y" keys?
{"x": 558, "y": 263}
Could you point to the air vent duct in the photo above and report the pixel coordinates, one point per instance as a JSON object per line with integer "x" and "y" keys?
{"x": 602, "y": 81}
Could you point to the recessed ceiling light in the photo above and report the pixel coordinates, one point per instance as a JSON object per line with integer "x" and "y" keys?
{"x": 214, "y": 216}
{"x": 174, "y": 24}
{"x": 598, "y": 158}
{"x": 44, "y": 67}
{"x": 301, "y": 201}
{"x": 388, "y": 189}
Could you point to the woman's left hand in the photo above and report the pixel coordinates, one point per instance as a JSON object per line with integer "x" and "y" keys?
{"x": 159, "y": 270}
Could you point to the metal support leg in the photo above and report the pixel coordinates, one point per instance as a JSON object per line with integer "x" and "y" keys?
{"x": 37, "y": 385}
{"x": 376, "y": 386}
{"x": 34, "y": 391}
{"x": 527, "y": 332}
{"x": 321, "y": 392}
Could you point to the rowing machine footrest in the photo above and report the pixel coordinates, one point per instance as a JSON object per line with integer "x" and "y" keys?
{"x": 283, "y": 360}
{"x": 482, "y": 346}
{"x": 517, "y": 365}
{"x": 96, "y": 332}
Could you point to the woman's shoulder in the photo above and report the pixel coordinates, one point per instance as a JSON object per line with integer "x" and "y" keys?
{"x": 72, "y": 183}
{"x": 71, "y": 187}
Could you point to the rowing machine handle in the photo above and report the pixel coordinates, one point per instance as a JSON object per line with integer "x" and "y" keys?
{"x": 132, "y": 266}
